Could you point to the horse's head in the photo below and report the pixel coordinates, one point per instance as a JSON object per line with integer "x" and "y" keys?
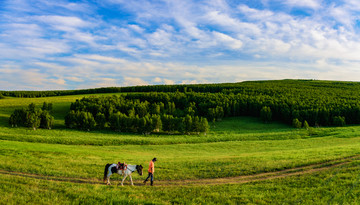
{"x": 139, "y": 169}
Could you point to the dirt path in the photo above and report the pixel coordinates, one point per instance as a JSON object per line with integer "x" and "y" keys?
{"x": 228, "y": 180}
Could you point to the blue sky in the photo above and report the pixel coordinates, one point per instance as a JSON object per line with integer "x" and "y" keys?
{"x": 62, "y": 44}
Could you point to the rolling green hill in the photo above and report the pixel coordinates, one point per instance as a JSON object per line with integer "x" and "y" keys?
{"x": 241, "y": 160}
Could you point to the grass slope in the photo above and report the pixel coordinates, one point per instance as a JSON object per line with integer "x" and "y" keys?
{"x": 234, "y": 147}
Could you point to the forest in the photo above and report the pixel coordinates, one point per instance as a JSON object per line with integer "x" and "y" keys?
{"x": 188, "y": 108}
{"x": 141, "y": 113}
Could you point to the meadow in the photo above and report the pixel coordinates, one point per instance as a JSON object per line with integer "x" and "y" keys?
{"x": 65, "y": 166}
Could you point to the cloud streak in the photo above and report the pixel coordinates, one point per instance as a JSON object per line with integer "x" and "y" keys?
{"x": 67, "y": 45}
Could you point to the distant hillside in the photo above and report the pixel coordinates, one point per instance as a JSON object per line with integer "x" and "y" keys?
{"x": 319, "y": 103}
{"x": 247, "y": 86}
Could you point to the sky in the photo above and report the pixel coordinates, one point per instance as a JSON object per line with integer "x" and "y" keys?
{"x": 63, "y": 44}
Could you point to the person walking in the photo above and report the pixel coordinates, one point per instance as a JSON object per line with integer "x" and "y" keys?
{"x": 151, "y": 171}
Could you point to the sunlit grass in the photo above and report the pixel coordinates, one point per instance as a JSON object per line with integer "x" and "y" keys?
{"x": 338, "y": 185}
{"x": 233, "y": 147}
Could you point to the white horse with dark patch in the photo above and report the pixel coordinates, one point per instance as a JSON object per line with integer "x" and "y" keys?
{"x": 121, "y": 169}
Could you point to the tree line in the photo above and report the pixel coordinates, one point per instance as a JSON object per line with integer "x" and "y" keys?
{"x": 133, "y": 113}
{"x": 321, "y": 105}
{"x": 318, "y": 103}
{"x": 270, "y": 86}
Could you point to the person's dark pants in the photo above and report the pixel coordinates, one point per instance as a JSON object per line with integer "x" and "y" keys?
{"x": 151, "y": 176}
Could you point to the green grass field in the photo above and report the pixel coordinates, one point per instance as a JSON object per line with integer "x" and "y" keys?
{"x": 62, "y": 166}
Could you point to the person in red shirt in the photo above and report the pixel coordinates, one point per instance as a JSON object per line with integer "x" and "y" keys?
{"x": 151, "y": 171}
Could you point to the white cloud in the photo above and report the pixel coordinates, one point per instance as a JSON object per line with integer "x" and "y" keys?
{"x": 15, "y": 78}
{"x": 228, "y": 40}
{"x": 190, "y": 82}
{"x": 136, "y": 28}
{"x": 131, "y": 81}
{"x": 169, "y": 82}
{"x": 53, "y": 66}
{"x": 107, "y": 82}
{"x": 157, "y": 80}
{"x": 176, "y": 41}
{"x": 314, "y": 4}
{"x": 254, "y": 13}
{"x": 64, "y": 23}
{"x": 74, "y": 79}
{"x": 57, "y": 81}
{"x": 225, "y": 21}
{"x": 104, "y": 59}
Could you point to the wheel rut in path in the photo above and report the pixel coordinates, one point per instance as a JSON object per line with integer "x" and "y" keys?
{"x": 308, "y": 169}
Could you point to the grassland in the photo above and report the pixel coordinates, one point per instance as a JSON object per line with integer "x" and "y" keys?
{"x": 62, "y": 166}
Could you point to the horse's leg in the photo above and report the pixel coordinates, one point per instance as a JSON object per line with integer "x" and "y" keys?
{"x": 108, "y": 179}
{"x": 132, "y": 184}
{"x": 122, "y": 182}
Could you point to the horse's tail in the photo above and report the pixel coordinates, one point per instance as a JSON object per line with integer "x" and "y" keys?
{"x": 106, "y": 170}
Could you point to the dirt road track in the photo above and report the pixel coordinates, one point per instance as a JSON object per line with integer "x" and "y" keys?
{"x": 228, "y": 180}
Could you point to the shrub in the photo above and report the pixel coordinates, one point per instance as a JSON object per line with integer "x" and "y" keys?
{"x": 306, "y": 125}
{"x": 296, "y": 123}
{"x": 339, "y": 121}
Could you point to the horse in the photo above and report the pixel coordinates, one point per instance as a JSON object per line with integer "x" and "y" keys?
{"x": 126, "y": 171}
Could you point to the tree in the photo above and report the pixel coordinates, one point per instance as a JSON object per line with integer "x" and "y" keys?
{"x": 46, "y": 120}
{"x": 219, "y": 112}
{"x": 296, "y": 123}
{"x": 85, "y": 120}
{"x": 204, "y": 125}
{"x": 100, "y": 120}
{"x": 155, "y": 109}
{"x": 166, "y": 122}
{"x": 171, "y": 108}
{"x": 339, "y": 121}
{"x": 31, "y": 107}
{"x": 306, "y": 125}
{"x": 114, "y": 121}
{"x": 187, "y": 122}
{"x": 33, "y": 119}
{"x": 157, "y": 124}
{"x": 266, "y": 114}
{"x": 47, "y": 106}
{"x": 178, "y": 125}
{"x": 216, "y": 113}
{"x": 196, "y": 124}
{"x": 18, "y": 118}
{"x": 142, "y": 125}
{"x": 71, "y": 119}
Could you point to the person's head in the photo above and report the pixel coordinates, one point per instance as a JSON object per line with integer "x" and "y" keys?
{"x": 154, "y": 160}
